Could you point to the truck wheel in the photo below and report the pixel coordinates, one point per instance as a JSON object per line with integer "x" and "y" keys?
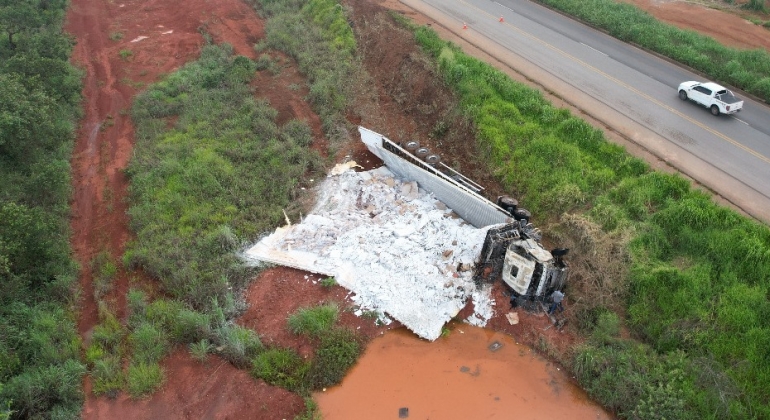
{"x": 714, "y": 110}
{"x": 522, "y": 214}
{"x": 682, "y": 95}
{"x": 412, "y": 145}
{"x": 432, "y": 159}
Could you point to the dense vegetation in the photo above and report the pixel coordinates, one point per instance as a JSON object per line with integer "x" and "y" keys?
{"x": 211, "y": 172}
{"x": 684, "y": 296}
{"x": 316, "y": 34}
{"x": 40, "y": 371}
{"x": 746, "y": 69}
{"x": 696, "y": 295}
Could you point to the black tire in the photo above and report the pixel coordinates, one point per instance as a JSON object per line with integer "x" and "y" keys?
{"x": 422, "y": 152}
{"x": 714, "y": 110}
{"x": 559, "y": 252}
{"x": 412, "y": 145}
{"x": 683, "y": 95}
{"x": 522, "y": 214}
{"x": 432, "y": 159}
{"x": 508, "y": 203}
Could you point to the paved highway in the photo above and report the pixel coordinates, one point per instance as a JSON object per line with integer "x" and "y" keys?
{"x": 628, "y": 89}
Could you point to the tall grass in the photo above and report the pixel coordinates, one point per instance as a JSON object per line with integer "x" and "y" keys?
{"x": 40, "y": 371}
{"x": 697, "y": 288}
{"x": 745, "y": 69}
{"x": 337, "y": 352}
{"x": 281, "y": 367}
{"x": 144, "y": 378}
{"x": 313, "y": 321}
{"x": 551, "y": 160}
{"x": 105, "y": 352}
{"x": 199, "y": 190}
{"x": 316, "y": 33}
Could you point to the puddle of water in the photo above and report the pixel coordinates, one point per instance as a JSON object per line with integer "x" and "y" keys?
{"x": 472, "y": 374}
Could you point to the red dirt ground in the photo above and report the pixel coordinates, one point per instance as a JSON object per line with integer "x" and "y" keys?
{"x": 719, "y": 20}
{"x": 407, "y": 101}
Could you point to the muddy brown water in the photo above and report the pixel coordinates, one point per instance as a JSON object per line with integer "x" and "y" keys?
{"x": 455, "y": 377}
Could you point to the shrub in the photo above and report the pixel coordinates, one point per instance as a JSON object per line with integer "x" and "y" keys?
{"x": 264, "y": 62}
{"x": 107, "y": 376}
{"x": 756, "y": 5}
{"x": 125, "y": 54}
{"x": 144, "y": 378}
{"x": 104, "y": 272}
{"x": 201, "y": 350}
{"x": 281, "y": 367}
{"x": 239, "y": 344}
{"x": 338, "y": 351}
{"x": 328, "y": 282}
{"x": 46, "y": 389}
{"x": 314, "y": 321}
{"x": 148, "y": 343}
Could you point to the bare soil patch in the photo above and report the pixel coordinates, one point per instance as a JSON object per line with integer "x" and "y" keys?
{"x": 403, "y": 100}
{"x": 726, "y": 23}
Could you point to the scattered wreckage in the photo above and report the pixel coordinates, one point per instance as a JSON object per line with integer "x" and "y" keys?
{"x": 414, "y": 241}
{"x": 512, "y": 249}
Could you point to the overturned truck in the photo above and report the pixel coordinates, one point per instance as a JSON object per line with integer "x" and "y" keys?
{"x": 511, "y": 251}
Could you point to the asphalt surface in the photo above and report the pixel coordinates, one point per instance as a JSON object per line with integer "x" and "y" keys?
{"x": 625, "y": 88}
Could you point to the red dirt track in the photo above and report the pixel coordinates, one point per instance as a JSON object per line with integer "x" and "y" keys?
{"x": 116, "y": 69}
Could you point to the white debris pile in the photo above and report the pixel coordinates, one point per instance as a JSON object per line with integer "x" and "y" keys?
{"x": 482, "y": 306}
{"x": 398, "y": 249}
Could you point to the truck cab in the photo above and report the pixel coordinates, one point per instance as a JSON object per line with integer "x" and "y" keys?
{"x": 513, "y": 252}
{"x": 530, "y": 270}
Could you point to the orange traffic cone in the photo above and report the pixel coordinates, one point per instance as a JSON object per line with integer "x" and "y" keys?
{"x": 465, "y": 26}
{"x": 501, "y": 18}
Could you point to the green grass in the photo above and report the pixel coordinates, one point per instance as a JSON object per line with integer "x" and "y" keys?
{"x": 281, "y": 367}
{"x": 311, "y": 411}
{"x": 239, "y": 344}
{"x": 197, "y": 190}
{"x": 337, "y": 352}
{"x": 107, "y": 376}
{"x": 316, "y": 34}
{"x": 745, "y": 69}
{"x": 313, "y": 321}
{"x": 125, "y": 55}
{"x": 696, "y": 285}
{"x": 148, "y": 344}
{"x": 201, "y": 349}
{"x": 328, "y": 282}
{"x": 144, "y": 379}
{"x": 104, "y": 272}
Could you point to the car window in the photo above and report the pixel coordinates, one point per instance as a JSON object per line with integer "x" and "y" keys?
{"x": 703, "y": 90}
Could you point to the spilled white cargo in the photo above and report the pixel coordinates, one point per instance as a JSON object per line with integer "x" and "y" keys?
{"x": 402, "y": 252}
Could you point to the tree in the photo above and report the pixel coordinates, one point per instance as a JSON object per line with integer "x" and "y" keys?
{"x": 30, "y": 122}
{"x": 19, "y": 16}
